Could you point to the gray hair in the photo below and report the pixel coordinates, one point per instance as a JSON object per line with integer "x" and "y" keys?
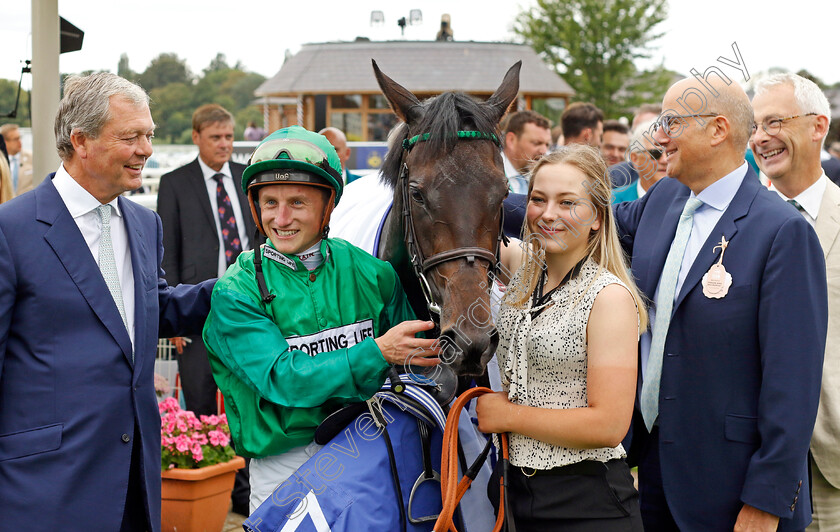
{"x": 809, "y": 97}
{"x": 85, "y": 107}
{"x": 645, "y": 128}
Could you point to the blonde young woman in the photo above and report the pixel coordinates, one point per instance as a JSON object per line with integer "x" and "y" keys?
{"x": 6, "y": 190}
{"x": 569, "y": 326}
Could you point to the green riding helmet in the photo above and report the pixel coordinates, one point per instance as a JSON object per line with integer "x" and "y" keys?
{"x": 293, "y": 155}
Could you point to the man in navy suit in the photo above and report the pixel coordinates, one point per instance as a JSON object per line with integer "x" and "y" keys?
{"x": 730, "y": 373}
{"x": 82, "y": 302}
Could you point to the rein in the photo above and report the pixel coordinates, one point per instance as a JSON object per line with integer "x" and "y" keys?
{"x": 422, "y": 264}
{"x": 450, "y": 489}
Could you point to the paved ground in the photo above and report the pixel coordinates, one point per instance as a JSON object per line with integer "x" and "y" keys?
{"x": 233, "y": 523}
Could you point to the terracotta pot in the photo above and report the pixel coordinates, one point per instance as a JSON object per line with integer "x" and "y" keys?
{"x": 197, "y": 500}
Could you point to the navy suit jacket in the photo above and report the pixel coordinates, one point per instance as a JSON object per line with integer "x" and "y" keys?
{"x": 70, "y": 394}
{"x": 741, "y": 375}
{"x": 831, "y": 167}
{"x": 189, "y": 223}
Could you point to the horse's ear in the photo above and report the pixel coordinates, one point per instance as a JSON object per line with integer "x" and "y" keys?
{"x": 405, "y": 104}
{"x": 507, "y": 91}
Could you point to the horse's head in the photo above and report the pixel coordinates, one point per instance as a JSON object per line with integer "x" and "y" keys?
{"x": 449, "y": 182}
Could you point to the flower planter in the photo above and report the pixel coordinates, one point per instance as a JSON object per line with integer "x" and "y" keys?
{"x": 197, "y": 500}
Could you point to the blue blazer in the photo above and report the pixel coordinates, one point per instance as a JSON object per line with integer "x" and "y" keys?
{"x": 741, "y": 376}
{"x": 70, "y": 394}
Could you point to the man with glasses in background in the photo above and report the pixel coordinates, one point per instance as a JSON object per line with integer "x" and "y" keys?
{"x": 730, "y": 372}
{"x": 793, "y": 114}
{"x": 648, "y": 161}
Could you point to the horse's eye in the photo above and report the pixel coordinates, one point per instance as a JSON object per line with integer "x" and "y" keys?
{"x": 416, "y": 196}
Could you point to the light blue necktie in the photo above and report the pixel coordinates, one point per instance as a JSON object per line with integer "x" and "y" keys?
{"x": 664, "y": 307}
{"x": 15, "y": 166}
{"x": 107, "y": 263}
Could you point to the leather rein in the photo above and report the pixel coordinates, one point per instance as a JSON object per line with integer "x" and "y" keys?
{"x": 422, "y": 264}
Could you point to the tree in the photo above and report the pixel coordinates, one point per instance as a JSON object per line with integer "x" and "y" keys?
{"x": 593, "y": 44}
{"x": 163, "y": 70}
{"x": 8, "y": 94}
{"x": 172, "y": 110}
{"x": 123, "y": 70}
{"x": 217, "y": 63}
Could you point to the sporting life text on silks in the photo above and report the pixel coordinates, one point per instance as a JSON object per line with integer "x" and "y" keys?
{"x": 332, "y": 339}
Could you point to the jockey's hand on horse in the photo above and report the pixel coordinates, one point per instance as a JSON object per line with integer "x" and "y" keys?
{"x": 400, "y": 347}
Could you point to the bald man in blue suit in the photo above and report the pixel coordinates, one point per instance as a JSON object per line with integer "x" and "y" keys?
{"x": 727, "y": 403}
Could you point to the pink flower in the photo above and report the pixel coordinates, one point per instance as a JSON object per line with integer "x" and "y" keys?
{"x": 182, "y": 443}
{"x": 198, "y": 454}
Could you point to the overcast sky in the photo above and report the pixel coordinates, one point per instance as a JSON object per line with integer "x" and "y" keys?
{"x": 769, "y": 33}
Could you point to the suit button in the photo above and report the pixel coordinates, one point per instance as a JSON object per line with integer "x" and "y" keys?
{"x": 312, "y": 277}
{"x": 126, "y": 438}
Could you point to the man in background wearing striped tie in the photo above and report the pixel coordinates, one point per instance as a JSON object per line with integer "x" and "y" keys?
{"x": 206, "y": 224}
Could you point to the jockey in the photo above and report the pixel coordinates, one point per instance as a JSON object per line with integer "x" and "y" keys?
{"x": 305, "y": 324}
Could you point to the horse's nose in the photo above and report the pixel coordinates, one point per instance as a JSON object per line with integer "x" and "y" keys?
{"x": 468, "y": 355}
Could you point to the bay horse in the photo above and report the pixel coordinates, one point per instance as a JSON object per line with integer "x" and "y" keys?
{"x": 443, "y": 232}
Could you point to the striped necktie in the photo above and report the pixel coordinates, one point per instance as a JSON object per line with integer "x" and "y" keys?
{"x": 664, "y": 307}
{"x": 796, "y": 204}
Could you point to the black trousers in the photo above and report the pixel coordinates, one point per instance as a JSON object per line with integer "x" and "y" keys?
{"x": 197, "y": 381}
{"x": 591, "y": 497}
{"x": 199, "y": 389}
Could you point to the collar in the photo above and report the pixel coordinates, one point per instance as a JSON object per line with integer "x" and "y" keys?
{"x": 810, "y": 198}
{"x": 510, "y": 171}
{"x": 78, "y": 200}
{"x": 639, "y": 190}
{"x": 209, "y": 172}
{"x": 719, "y": 194}
{"x": 292, "y": 261}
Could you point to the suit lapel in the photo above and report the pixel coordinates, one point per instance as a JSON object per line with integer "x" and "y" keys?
{"x": 827, "y": 225}
{"x": 726, "y": 227}
{"x": 139, "y": 259}
{"x": 662, "y": 243}
{"x": 65, "y": 239}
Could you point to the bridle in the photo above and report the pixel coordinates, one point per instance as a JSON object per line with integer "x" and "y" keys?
{"x": 422, "y": 264}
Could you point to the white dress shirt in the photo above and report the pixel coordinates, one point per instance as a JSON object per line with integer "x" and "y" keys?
{"x": 82, "y": 206}
{"x": 230, "y": 188}
{"x": 716, "y": 198}
{"x": 810, "y": 198}
{"x": 517, "y": 183}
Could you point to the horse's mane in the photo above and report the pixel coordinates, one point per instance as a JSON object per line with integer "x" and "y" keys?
{"x": 443, "y": 117}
